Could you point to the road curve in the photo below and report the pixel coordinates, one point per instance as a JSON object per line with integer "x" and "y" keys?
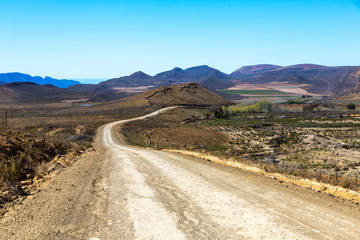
{"x": 124, "y": 192}
{"x": 159, "y": 195}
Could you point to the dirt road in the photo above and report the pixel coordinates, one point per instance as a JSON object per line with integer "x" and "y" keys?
{"x": 123, "y": 192}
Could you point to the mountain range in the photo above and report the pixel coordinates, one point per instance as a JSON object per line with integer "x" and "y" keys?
{"x": 317, "y": 79}
{"x": 21, "y": 77}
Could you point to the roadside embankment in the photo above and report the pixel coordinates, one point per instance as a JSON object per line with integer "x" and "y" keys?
{"x": 336, "y": 191}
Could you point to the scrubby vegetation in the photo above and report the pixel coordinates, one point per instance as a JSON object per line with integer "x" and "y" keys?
{"x": 34, "y": 136}
{"x": 350, "y": 106}
{"x": 311, "y": 144}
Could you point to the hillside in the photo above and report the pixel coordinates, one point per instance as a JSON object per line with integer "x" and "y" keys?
{"x": 320, "y": 79}
{"x": 189, "y": 94}
{"x": 351, "y": 79}
{"x": 193, "y": 74}
{"x": 28, "y": 92}
{"x": 214, "y": 83}
{"x": 174, "y": 76}
{"x": 136, "y": 79}
{"x": 90, "y": 88}
{"x": 21, "y": 77}
{"x": 254, "y": 69}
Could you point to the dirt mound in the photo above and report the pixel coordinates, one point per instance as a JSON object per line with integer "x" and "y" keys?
{"x": 190, "y": 94}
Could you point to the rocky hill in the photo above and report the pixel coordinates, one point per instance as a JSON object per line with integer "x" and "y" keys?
{"x": 21, "y": 77}
{"x": 189, "y": 94}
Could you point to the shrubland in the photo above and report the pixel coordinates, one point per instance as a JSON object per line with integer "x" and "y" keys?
{"x": 313, "y": 144}
{"x": 34, "y": 137}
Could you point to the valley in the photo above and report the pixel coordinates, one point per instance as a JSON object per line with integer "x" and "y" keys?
{"x": 171, "y": 120}
{"x": 298, "y": 144}
{"x": 138, "y": 193}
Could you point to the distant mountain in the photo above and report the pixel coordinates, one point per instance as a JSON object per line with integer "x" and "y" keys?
{"x": 253, "y": 69}
{"x": 193, "y": 74}
{"x": 314, "y": 78}
{"x": 320, "y": 79}
{"x": 167, "y": 78}
{"x": 216, "y": 83}
{"x": 28, "y": 92}
{"x": 90, "y": 88}
{"x": 21, "y": 77}
{"x": 134, "y": 80}
{"x": 174, "y": 76}
{"x": 352, "y": 82}
{"x": 1, "y": 83}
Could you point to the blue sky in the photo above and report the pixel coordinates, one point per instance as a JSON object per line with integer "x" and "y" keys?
{"x": 105, "y": 39}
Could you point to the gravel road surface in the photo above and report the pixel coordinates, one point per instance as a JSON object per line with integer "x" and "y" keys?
{"x": 124, "y": 192}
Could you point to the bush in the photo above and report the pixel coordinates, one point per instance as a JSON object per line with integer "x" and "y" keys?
{"x": 259, "y": 107}
{"x": 310, "y": 107}
{"x": 219, "y": 113}
{"x": 350, "y": 106}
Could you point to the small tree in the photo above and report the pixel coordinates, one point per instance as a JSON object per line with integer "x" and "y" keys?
{"x": 350, "y": 106}
{"x": 219, "y": 113}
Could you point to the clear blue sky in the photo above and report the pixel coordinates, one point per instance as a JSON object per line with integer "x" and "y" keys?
{"x": 105, "y": 39}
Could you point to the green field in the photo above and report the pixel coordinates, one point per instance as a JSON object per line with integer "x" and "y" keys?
{"x": 256, "y": 92}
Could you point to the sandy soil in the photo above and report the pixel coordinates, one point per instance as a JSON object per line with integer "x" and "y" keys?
{"x": 123, "y": 192}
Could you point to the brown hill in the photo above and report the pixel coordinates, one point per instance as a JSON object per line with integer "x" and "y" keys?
{"x": 189, "y": 94}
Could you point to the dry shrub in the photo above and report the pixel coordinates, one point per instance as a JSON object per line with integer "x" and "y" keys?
{"x": 41, "y": 169}
{"x": 345, "y": 183}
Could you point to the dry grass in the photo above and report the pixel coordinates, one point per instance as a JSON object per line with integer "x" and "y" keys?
{"x": 321, "y": 146}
